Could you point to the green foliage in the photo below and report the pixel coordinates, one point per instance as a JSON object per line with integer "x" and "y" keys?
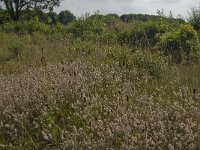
{"x": 112, "y": 16}
{"x": 88, "y": 28}
{"x": 123, "y": 36}
{"x": 142, "y": 34}
{"x": 138, "y": 17}
{"x": 98, "y": 83}
{"x": 108, "y": 38}
{"x": 52, "y": 17}
{"x": 4, "y": 16}
{"x": 28, "y": 15}
{"x": 194, "y": 17}
{"x": 26, "y": 27}
{"x": 180, "y": 44}
{"x": 15, "y": 8}
{"x": 65, "y": 17}
{"x": 152, "y": 64}
{"x": 152, "y": 29}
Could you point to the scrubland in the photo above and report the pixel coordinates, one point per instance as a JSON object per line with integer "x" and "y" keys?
{"x": 100, "y": 83}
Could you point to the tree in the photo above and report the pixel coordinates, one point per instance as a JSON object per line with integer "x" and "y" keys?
{"x": 194, "y": 17}
{"x": 15, "y": 7}
{"x": 66, "y": 17}
{"x": 52, "y": 17}
{"x": 116, "y": 16}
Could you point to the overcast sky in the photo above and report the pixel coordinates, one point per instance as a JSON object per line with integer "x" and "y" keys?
{"x": 79, "y": 7}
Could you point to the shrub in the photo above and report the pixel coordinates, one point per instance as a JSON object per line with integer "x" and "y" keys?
{"x": 4, "y": 16}
{"x": 34, "y": 26}
{"x": 28, "y": 15}
{"x": 142, "y": 34}
{"x": 108, "y": 38}
{"x": 151, "y": 64}
{"x": 146, "y": 33}
{"x": 180, "y": 44}
{"x": 87, "y": 28}
{"x": 26, "y": 27}
{"x": 123, "y": 36}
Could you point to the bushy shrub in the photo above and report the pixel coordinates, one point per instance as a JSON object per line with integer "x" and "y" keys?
{"x": 152, "y": 64}
{"x": 123, "y": 36}
{"x": 180, "y": 44}
{"x": 28, "y": 15}
{"x": 84, "y": 28}
{"x": 26, "y": 27}
{"x": 34, "y": 26}
{"x": 120, "y": 54}
{"x": 146, "y": 33}
{"x": 108, "y": 38}
{"x": 8, "y": 27}
{"x": 141, "y": 34}
{"x": 4, "y": 16}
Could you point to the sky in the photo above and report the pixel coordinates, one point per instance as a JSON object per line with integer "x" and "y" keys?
{"x": 80, "y": 7}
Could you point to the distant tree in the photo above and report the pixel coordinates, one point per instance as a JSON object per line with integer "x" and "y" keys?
{"x": 96, "y": 16}
{"x": 194, "y": 17}
{"x": 160, "y": 12}
{"x": 52, "y": 17}
{"x": 112, "y": 19}
{"x": 66, "y": 17}
{"x": 126, "y": 17}
{"x": 140, "y": 17}
{"x": 116, "y": 16}
{"x": 15, "y": 7}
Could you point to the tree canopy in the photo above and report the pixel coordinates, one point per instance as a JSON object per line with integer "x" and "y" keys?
{"x": 15, "y": 7}
{"x": 194, "y": 17}
{"x": 66, "y": 17}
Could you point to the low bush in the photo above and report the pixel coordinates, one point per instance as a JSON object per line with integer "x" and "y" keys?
{"x": 151, "y": 64}
{"x": 26, "y": 27}
{"x": 181, "y": 44}
{"x": 87, "y": 28}
{"x": 142, "y": 34}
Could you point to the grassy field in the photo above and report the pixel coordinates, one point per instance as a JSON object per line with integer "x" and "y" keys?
{"x": 92, "y": 91}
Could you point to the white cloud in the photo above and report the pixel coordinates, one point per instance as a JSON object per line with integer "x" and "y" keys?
{"x": 79, "y": 7}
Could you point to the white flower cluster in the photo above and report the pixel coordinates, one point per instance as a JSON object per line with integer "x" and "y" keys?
{"x": 79, "y": 106}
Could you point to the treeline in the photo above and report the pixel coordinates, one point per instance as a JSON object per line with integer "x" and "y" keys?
{"x": 65, "y": 17}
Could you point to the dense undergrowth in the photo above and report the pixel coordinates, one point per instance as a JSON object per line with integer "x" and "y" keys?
{"x": 99, "y": 83}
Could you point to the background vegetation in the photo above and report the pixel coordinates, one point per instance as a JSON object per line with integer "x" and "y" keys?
{"x": 99, "y": 81}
